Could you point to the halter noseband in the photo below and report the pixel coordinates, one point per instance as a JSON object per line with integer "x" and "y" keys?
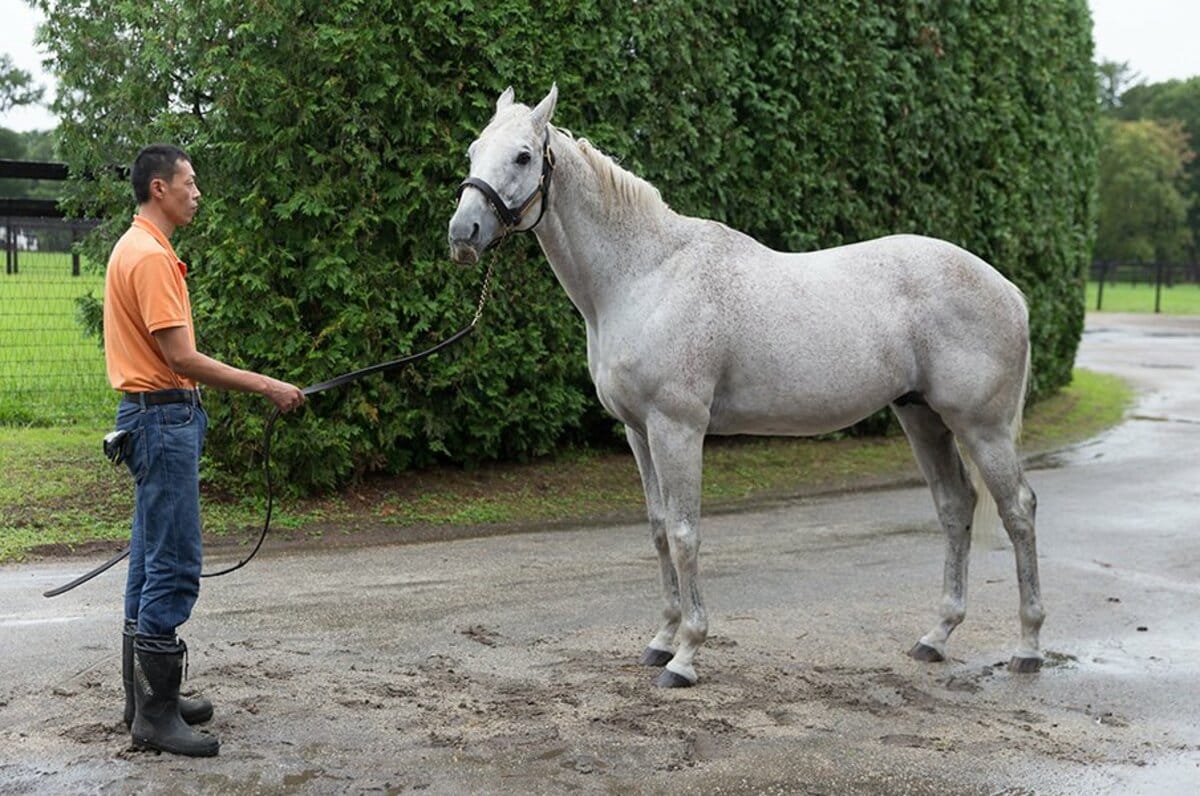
{"x": 511, "y": 217}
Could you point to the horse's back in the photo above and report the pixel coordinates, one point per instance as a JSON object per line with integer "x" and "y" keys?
{"x": 905, "y": 284}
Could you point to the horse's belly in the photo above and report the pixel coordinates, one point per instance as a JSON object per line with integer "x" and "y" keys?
{"x": 794, "y": 424}
{"x": 763, "y": 410}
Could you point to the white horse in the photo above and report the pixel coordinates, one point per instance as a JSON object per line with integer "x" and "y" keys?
{"x": 694, "y": 328}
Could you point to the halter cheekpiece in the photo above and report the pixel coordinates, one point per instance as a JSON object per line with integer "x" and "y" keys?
{"x": 511, "y": 217}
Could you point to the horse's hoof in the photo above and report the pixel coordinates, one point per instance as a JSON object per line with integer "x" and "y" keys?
{"x": 1024, "y": 665}
{"x": 669, "y": 679}
{"x": 925, "y": 653}
{"x": 655, "y": 657}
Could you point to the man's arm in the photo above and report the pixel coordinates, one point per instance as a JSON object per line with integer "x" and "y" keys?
{"x": 183, "y": 358}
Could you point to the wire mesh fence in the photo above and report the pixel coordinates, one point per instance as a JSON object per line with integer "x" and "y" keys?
{"x": 51, "y": 371}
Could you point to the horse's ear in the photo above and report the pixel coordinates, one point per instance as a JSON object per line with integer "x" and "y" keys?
{"x": 506, "y": 99}
{"x": 540, "y": 116}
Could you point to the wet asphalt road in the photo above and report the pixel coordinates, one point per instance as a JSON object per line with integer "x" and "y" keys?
{"x": 504, "y": 664}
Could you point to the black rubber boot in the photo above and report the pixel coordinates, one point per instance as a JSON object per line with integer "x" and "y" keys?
{"x": 193, "y": 711}
{"x": 157, "y": 673}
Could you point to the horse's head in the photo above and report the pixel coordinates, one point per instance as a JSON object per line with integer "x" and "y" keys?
{"x": 510, "y": 172}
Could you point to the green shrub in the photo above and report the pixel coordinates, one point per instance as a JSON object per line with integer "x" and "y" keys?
{"x": 329, "y": 138}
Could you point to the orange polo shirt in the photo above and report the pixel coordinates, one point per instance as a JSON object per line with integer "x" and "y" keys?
{"x": 144, "y": 291}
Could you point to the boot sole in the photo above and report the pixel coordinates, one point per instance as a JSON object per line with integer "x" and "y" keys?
{"x": 145, "y": 744}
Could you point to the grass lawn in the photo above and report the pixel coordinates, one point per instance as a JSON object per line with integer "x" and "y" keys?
{"x": 59, "y": 492}
{"x": 1182, "y": 299}
{"x": 50, "y": 373}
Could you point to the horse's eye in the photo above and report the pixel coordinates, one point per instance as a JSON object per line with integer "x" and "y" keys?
{"x": 523, "y": 159}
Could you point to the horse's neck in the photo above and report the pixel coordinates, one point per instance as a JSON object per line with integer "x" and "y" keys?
{"x": 596, "y": 247}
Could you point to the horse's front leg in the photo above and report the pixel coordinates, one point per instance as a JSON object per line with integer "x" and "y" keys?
{"x": 660, "y": 649}
{"x": 677, "y": 450}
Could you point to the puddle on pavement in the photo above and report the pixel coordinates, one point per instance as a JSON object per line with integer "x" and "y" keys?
{"x": 1136, "y": 657}
{"x": 1177, "y": 775}
{"x": 1057, "y": 459}
{"x": 1171, "y": 334}
{"x": 1165, "y": 366}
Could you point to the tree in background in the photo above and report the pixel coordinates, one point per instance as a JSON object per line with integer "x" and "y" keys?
{"x": 1113, "y": 78}
{"x": 1143, "y": 191}
{"x": 17, "y": 89}
{"x": 16, "y": 86}
{"x": 1178, "y": 102}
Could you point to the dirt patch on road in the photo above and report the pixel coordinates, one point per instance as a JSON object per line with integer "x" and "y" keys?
{"x": 564, "y": 713}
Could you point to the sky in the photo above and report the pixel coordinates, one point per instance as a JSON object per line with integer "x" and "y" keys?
{"x": 1158, "y": 38}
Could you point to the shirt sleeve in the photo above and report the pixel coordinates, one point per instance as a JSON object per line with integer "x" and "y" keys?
{"x": 159, "y": 291}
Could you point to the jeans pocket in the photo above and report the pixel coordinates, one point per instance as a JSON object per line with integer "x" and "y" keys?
{"x": 177, "y": 415}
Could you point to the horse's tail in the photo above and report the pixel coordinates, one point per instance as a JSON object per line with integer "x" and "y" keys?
{"x": 985, "y": 525}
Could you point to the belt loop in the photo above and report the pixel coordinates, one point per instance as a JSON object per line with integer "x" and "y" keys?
{"x": 141, "y": 400}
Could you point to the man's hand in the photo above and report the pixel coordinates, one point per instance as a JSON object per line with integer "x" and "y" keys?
{"x": 286, "y": 397}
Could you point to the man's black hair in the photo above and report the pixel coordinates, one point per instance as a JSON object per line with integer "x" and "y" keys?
{"x": 157, "y": 161}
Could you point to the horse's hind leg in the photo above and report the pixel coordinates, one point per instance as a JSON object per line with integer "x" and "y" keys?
{"x": 937, "y": 456}
{"x": 660, "y": 649}
{"x": 995, "y": 454}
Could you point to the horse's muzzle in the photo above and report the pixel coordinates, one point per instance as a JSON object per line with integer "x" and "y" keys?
{"x": 463, "y": 253}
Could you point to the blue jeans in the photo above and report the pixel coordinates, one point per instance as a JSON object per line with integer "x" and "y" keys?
{"x": 164, "y": 549}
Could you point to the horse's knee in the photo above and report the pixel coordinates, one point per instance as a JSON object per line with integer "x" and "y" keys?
{"x": 658, "y": 533}
{"x": 683, "y": 542}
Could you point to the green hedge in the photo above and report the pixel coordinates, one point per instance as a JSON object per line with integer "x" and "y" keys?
{"x": 329, "y": 138}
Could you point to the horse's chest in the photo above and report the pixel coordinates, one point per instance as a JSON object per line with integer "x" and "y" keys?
{"x": 617, "y": 389}
{"x": 613, "y": 394}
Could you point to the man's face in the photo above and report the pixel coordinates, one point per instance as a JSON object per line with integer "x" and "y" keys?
{"x": 179, "y": 197}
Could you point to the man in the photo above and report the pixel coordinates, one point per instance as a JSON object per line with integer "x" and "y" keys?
{"x": 150, "y": 351}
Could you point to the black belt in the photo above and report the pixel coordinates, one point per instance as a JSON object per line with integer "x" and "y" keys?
{"x": 156, "y": 397}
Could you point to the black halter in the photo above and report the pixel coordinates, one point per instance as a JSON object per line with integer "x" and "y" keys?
{"x": 511, "y": 217}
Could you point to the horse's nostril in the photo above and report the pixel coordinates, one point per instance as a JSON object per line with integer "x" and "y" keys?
{"x": 474, "y": 231}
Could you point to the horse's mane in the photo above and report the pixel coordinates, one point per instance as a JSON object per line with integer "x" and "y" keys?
{"x": 617, "y": 185}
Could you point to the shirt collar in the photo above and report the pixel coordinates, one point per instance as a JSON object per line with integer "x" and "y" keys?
{"x": 143, "y": 223}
